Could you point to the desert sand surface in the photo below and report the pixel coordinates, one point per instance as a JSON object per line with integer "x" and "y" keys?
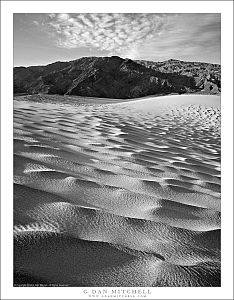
{"x": 122, "y": 194}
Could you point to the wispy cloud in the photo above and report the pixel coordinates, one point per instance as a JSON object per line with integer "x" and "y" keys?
{"x": 68, "y": 36}
{"x": 121, "y": 34}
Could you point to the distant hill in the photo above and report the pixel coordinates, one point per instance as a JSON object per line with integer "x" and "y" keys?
{"x": 115, "y": 77}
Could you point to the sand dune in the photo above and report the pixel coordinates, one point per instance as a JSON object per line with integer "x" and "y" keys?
{"x": 123, "y": 194}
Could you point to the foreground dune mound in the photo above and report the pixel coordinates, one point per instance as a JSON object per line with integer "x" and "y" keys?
{"x": 123, "y": 194}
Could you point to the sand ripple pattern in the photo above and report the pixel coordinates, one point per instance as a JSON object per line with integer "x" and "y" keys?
{"x": 123, "y": 194}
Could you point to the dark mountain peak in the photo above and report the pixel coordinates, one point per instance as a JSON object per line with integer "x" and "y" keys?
{"x": 173, "y": 60}
{"x": 116, "y": 77}
{"x": 19, "y": 68}
{"x": 116, "y": 58}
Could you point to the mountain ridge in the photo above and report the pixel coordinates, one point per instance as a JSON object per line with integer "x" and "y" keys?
{"x": 115, "y": 77}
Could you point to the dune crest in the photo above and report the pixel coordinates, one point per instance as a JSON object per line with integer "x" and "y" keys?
{"x": 111, "y": 190}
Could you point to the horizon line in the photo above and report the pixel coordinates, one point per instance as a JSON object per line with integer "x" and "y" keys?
{"x": 157, "y": 61}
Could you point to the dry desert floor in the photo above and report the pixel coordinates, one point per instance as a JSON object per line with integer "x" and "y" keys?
{"x": 117, "y": 194}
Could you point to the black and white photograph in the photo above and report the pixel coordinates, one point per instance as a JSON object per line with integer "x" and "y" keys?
{"x": 116, "y": 151}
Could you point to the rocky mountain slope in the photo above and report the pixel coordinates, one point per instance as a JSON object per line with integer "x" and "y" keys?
{"x": 115, "y": 77}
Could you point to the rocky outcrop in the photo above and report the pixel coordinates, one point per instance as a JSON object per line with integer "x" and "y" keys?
{"x": 207, "y": 76}
{"x": 115, "y": 77}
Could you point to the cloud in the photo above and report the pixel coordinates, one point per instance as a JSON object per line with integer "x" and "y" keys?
{"x": 186, "y": 37}
{"x": 136, "y": 36}
{"x": 119, "y": 34}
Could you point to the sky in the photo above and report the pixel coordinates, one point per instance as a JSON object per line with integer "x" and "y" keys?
{"x": 40, "y": 39}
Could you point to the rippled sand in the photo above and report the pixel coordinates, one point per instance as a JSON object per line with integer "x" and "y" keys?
{"x": 123, "y": 194}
